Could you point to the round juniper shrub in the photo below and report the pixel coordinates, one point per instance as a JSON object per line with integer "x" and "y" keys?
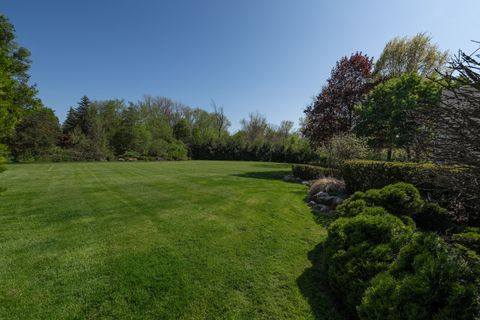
{"x": 428, "y": 280}
{"x": 360, "y": 247}
{"x": 398, "y": 199}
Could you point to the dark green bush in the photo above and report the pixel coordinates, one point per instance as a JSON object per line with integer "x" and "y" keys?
{"x": 359, "y": 248}
{"x": 399, "y": 199}
{"x": 428, "y": 280}
{"x": 469, "y": 238}
{"x": 132, "y": 154}
{"x": 432, "y": 217}
{"x": 309, "y": 172}
{"x": 452, "y": 187}
{"x": 468, "y": 242}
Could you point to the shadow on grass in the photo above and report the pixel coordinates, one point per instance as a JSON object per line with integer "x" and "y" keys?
{"x": 265, "y": 175}
{"x": 285, "y": 166}
{"x": 313, "y": 285}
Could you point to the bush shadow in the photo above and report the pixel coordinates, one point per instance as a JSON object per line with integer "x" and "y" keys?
{"x": 313, "y": 285}
{"x": 265, "y": 175}
{"x": 286, "y": 166}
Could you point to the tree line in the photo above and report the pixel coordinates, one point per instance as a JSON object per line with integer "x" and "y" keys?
{"x": 392, "y": 105}
{"x": 155, "y": 128}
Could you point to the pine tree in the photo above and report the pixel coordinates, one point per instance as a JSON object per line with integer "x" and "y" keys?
{"x": 84, "y": 116}
{"x": 71, "y": 122}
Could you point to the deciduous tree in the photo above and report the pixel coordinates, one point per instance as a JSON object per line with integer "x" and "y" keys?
{"x": 17, "y": 96}
{"x": 410, "y": 55}
{"x": 332, "y": 111}
{"x": 390, "y": 115}
{"x": 35, "y": 136}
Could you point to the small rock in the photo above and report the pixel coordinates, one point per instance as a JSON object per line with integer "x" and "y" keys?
{"x": 320, "y": 208}
{"x": 326, "y": 199}
{"x": 336, "y": 201}
{"x": 323, "y": 198}
{"x": 291, "y": 178}
{"x": 312, "y": 203}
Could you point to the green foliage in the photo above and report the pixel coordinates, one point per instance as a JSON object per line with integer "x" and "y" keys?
{"x": 361, "y": 175}
{"x": 379, "y": 270}
{"x": 131, "y": 155}
{"x": 309, "y": 172}
{"x": 468, "y": 241}
{"x": 439, "y": 183}
{"x": 360, "y": 247}
{"x": 35, "y": 136}
{"x": 344, "y": 147}
{"x": 391, "y": 116}
{"x": 398, "y": 199}
{"x": 432, "y": 217}
{"x": 17, "y": 97}
{"x": 428, "y": 280}
{"x": 416, "y": 55}
{"x": 237, "y": 147}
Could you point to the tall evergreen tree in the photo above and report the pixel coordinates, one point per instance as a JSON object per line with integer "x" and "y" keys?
{"x": 71, "y": 122}
{"x": 84, "y": 115}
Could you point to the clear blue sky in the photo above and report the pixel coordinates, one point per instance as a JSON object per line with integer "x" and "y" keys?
{"x": 269, "y": 56}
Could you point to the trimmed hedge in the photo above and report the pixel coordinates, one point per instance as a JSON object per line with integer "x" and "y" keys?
{"x": 309, "y": 172}
{"x": 453, "y": 187}
{"x": 362, "y": 175}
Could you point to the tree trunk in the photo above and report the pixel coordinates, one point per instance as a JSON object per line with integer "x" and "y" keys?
{"x": 389, "y": 154}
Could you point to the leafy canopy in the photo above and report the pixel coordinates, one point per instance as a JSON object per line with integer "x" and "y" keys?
{"x": 332, "y": 111}
{"x": 410, "y": 55}
{"x": 390, "y": 116}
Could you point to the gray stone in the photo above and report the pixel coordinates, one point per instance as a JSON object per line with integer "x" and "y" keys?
{"x": 323, "y": 198}
{"x": 336, "y": 201}
{"x": 320, "y": 208}
{"x": 326, "y": 199}
{"x": 293, "y": 179}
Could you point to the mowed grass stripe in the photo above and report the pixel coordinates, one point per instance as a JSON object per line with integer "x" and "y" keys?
{"x": 173, "y": 240}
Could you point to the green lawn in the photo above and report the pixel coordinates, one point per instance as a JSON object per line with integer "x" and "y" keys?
{"x": 156, "y": 240}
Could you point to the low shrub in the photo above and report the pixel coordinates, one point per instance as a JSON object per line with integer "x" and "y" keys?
{"x": 177, "y": 151}
{"x": 131, "y": 155}
{"x": 428, "y": 280}
{"x": 468, "y": 242}
{"x": 359, "y": 248}
{"x": 327, "y": 184}
{"x": 309, "y": 172}
{"x": 400, "y": 199}
{"x": 453, "y": 187}
{"x": 432, "y": 217}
